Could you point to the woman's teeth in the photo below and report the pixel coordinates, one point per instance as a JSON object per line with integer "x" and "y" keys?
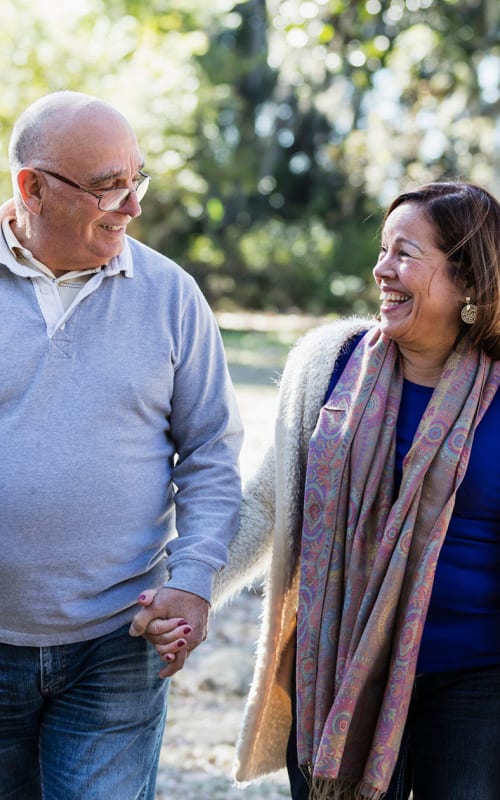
{"x": 394, "y": 297}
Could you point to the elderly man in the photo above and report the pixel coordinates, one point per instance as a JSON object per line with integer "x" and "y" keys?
{"x": 118, "y": 470}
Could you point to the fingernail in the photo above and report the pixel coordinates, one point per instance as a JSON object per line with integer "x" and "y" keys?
{"x": 142, "y": 597}
{"x": 169, "y": 657}
{"x": 183, "y": 622}
{"x": 181, "y": 643}
{"x": 187, "y": 629}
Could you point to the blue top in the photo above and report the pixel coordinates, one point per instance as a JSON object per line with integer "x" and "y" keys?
{"x": 463, "y": 623}
{"x": 462, "y": 628}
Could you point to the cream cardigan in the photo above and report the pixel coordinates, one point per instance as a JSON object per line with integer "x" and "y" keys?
{"x": 268, "y": 542}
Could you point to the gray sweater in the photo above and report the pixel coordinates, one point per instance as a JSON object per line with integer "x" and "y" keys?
{"x": 117, "y": 432}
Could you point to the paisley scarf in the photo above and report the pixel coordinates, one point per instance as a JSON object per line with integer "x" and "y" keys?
{"x": 368, "y": 560}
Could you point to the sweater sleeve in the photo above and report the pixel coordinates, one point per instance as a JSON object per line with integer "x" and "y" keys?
{"x": 272, "y": 506}
{"x": 250, "y": 550}
{"x": 206, "y": 429}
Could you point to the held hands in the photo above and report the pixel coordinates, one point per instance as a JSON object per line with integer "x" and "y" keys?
{"x": 175, "y": 622}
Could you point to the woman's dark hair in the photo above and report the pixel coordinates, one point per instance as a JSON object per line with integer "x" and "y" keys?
{"x": 466, "y": 219}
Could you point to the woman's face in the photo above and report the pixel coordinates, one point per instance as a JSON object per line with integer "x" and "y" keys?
{"x": 420, "y": 304}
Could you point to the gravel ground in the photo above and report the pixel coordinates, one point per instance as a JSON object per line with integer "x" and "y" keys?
{"x": 207, "y": 698}
{"x": 205, "y": 712}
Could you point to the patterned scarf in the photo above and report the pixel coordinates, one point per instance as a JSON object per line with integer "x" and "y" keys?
{"x": 368, "y": 562}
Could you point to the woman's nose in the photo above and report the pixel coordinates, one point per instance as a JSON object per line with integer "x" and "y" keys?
{"x": 383, "y": 267}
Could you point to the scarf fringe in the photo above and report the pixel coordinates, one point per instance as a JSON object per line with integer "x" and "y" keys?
{"x": 325, "y": 789}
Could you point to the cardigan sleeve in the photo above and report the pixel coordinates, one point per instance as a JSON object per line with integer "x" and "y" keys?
{"x": 271, "y": 512}
{"x": 250, "y": 550}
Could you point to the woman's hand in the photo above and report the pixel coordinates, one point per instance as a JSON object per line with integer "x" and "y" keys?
{"x": 174, "y": 621}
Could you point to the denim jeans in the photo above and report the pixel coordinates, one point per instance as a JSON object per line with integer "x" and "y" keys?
{"x": 82, "y": 720}
{"x": 451, "y": 742}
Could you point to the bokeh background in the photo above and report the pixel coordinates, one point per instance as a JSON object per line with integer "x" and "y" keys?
{"x": 275, "y": 130}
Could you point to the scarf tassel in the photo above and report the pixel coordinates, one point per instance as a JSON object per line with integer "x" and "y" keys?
{"x": 324, "y": 789}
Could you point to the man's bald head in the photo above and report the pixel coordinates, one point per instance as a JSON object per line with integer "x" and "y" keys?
{"x": 66, "y": 150}
{"x": 51, "y": 119}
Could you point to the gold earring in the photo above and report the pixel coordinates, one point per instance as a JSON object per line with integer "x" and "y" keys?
{"x": 469, "y": 312}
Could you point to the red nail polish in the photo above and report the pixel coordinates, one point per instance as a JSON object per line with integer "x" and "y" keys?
{"x": 187, "y": 629}
{"x": 142, "y": 597}
{"x": 181, "y": 643}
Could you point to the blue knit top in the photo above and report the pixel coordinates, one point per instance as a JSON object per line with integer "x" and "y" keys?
{"x": 463, "y": 623}
{"x": 462, "y": 628}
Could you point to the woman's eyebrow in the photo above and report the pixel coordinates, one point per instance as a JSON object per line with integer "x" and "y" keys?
{"x": 401, "y": 239}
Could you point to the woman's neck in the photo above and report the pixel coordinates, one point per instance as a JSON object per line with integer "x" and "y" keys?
{"x": 423, "y": 368}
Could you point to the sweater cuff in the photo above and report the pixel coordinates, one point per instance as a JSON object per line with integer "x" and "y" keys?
{"x": 192, "y": 576}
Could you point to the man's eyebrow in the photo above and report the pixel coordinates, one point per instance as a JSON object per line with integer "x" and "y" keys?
{"x": 105, "y": 177}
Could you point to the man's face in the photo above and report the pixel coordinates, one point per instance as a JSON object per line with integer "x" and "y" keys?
{"x": 71, "y": 232}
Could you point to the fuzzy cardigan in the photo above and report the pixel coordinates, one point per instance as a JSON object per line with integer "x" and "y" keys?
{"x": 268, "y": 542}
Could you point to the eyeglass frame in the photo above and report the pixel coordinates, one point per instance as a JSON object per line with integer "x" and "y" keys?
{"x": 145, "y": 181}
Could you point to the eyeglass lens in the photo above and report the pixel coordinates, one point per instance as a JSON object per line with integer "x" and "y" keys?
{"x": 116, "y": 198}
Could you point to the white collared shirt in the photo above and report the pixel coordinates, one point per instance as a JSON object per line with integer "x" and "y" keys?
{"x": 57, "y": 297}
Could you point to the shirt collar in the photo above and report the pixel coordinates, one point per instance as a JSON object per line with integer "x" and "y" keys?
{"x": 15, "y": 247}
{"x": 121, "y": 263}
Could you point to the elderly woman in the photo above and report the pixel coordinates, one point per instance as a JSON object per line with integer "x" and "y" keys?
{"x": 379, "y": 507}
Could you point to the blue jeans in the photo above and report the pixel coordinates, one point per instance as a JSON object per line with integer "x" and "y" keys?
{"x": 451, "y": 742}
{"x": 82, "y": 720}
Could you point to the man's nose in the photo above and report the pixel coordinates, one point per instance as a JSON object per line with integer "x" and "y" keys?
{"x": 131, "y": 207}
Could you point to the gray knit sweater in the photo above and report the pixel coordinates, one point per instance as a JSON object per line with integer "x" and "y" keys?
{"x": 115, "y": 433}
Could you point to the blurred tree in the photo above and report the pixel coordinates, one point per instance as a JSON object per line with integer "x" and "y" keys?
{"x": 352, "y": 101}
{"x": 275, "y": 131}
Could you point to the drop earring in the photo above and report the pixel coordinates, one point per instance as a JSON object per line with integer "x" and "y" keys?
{"x": 469, "y": 312}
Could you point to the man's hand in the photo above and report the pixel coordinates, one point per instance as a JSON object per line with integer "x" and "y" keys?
{"x": 189, "y": 612}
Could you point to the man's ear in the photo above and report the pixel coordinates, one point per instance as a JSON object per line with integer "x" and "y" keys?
{"x": 30, "y": 189}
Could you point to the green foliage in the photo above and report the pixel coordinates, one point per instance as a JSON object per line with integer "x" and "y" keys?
{"x": 275, "y": 132}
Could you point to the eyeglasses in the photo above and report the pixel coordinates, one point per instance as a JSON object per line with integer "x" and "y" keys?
{"x": 108, "y": 199}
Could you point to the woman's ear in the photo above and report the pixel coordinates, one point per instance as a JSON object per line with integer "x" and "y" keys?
{"x": 470, "y": 291}
{"x": 30, "y": 189}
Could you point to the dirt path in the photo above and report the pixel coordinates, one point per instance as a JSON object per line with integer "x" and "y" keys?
{"x": 206, "y": 708}
{"x": 207, "y": 697}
